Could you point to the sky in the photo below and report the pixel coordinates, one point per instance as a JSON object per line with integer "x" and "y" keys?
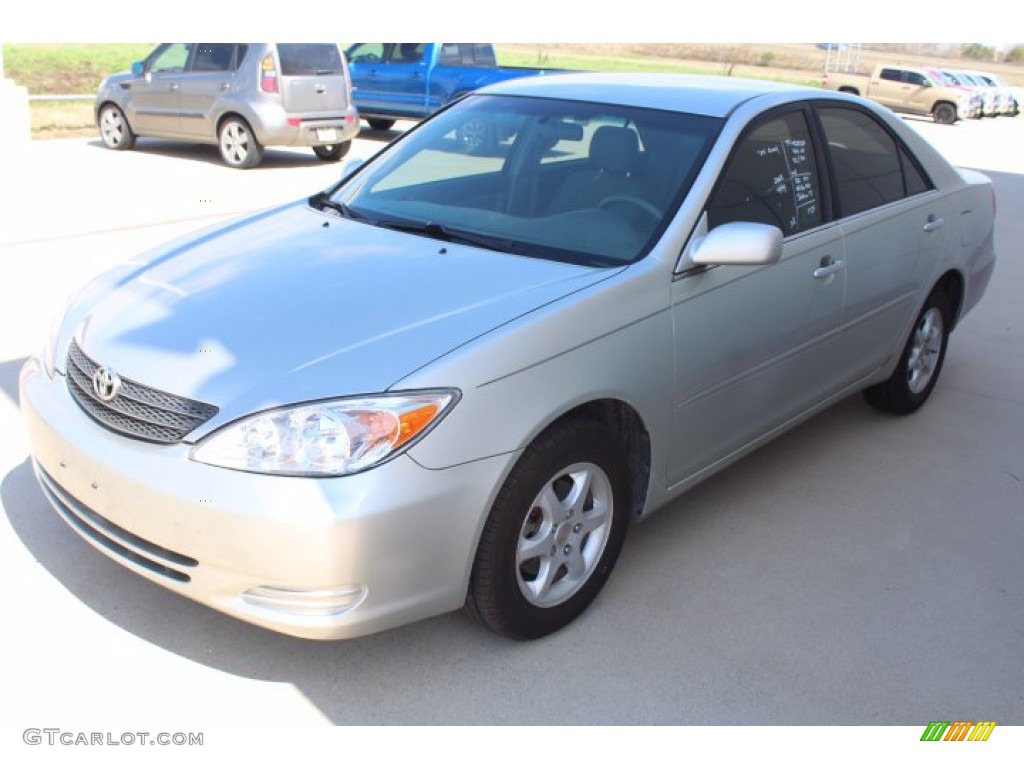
{"x": 506, "y": 20}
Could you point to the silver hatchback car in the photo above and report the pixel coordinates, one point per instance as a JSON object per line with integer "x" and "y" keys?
{"x": 457, "y": 377}
{"x": 240, "y": 96}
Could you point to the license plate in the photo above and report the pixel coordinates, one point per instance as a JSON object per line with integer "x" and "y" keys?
{"x": 327, "y": 134}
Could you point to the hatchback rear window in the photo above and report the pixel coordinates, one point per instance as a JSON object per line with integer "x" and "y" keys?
{"x": 309, "y": 59}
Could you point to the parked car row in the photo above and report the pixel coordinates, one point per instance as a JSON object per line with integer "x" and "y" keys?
{"x": 947, "y": 95}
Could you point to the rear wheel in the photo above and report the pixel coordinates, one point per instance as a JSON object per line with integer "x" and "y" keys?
{"x": 944, "y": 113}
{"x": 238, "y": 144}
{"x": 554, "y": 532}
{"x": 114, "y": 128}
{"x": 380, "y": 124}
{"x": 919, "y": 367}
{"x": 332, "y": 152}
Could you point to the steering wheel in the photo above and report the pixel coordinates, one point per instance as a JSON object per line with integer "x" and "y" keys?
{"x": 637, "y": 202}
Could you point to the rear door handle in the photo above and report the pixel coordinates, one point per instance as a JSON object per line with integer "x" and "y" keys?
{"x": 933, "y": 224}
{"x": 828, "y": 267}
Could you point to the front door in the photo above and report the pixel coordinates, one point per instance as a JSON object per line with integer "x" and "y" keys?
{"x": 757, "y": 346}
{"x": 153, "y": 109}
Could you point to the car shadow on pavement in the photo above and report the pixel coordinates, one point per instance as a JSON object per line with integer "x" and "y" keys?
{"x": 204, "y": 153}
{"x": 9, "y": 378}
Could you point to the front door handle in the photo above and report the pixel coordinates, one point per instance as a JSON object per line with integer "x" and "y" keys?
{"x": 828, "y": 267}
{"x": 224, "y": 86}
{"x": 933, "y": 224}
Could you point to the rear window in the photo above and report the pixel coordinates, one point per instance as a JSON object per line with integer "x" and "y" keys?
{"x": 309, "y": 59}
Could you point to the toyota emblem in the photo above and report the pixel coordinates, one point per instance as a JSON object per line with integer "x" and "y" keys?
{"x": 106, "y": 384}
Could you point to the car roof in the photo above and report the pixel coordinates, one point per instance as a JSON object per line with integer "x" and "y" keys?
{"x": 694, "y": 94}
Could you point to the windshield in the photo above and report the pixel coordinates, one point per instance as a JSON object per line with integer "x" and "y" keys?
{"x": 572, "y": 181}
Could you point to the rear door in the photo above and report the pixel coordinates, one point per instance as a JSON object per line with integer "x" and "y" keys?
{"x": 895, "y": 226}
{"x": 887, "y": 88}
{"x": 314, "y": 79}
{"x": 209, "y": 78}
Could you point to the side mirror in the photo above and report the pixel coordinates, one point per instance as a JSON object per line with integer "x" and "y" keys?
{"x": 739, "y": 243}
{"x": 138, "y": 68}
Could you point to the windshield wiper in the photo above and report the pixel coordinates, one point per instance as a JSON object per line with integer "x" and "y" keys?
{"x": 440, "y": 231}
{"x": 322, "y": 200}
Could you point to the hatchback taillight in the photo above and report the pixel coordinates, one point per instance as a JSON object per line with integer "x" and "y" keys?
{"x": 268, "y": 75}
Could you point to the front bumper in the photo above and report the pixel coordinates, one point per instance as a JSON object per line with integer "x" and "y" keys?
{"x": 316, "y": 558}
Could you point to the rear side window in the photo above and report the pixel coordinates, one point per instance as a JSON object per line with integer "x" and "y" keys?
{"x": 891, "y": 74}
{"x": 213, "y": 57}
{"x": 466, "y": 55}
{"x": 309, "y": 59}
{"x": 772, "y": 178}
{"x": 870, "y": 169}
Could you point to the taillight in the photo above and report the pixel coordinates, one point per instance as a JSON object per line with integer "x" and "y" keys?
{"x": 268, "y": 75}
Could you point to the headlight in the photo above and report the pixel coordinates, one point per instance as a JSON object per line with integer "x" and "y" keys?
{"x": 328, "y": 438}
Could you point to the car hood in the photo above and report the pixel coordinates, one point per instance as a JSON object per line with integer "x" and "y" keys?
{"x": 294, "y": 305}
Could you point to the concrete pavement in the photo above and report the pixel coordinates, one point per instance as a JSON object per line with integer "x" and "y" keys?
{"x": 860, "y": 570}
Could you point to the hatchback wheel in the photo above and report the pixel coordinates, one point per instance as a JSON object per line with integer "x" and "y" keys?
{"x": 554, "y": 532}
{"x": 919, "y": 367}
{"x": 332, "y": 152}
{"x": 238, "y": 145}
{"x": 114, "y": 128}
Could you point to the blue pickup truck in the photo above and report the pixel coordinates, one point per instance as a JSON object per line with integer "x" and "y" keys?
{"x": 413, "y": 80}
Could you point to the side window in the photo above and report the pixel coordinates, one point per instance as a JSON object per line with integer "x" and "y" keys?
{"x": 449, "y": 56}
{"x": 914, "y": 179}
{"x": 212, "y": 57}
{"x": 484, "y": 55}
{"x": 865, "y": 160}
{"x": 240, "y": 51}
{"x": 366, "y": 53}
{"x": 772, "y": 178}
{"x": 407, "y": 53}
{"x": 914, "y": 78}
{"x": 173, "y": 58}
{"x": 891, "y": 74}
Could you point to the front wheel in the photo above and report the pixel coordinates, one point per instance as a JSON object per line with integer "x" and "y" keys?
{"x": 554, "y": 532}
{"x": 332, "y": 152}
{"x": 114, "y": 128}
{"x": 919, "y": 367}
{"x": 238, "y": 144}
{"x": 944, "y": 114}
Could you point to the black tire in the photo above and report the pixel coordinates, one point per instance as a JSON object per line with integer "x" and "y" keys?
{"x": 114, "y": 128}
{"x": 331, "y": 153}
{"x": 909, "y": 387}
{"x": 848, "y": 89}
{"x": 238, "y": 145}
{"x": 944, "y": 113}
{"x": 508, "y": 589}
{"x": 380, "y": 124}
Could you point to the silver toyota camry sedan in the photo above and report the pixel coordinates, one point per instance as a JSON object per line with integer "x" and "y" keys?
{"x": 459, "y": 375}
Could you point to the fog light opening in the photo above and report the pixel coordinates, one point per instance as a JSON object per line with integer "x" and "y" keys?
{"x": 318, "y": 602}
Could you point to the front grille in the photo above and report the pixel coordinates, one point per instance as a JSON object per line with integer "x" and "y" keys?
{"x": 137, "y": 410}
{"x": 114, "y": 538}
